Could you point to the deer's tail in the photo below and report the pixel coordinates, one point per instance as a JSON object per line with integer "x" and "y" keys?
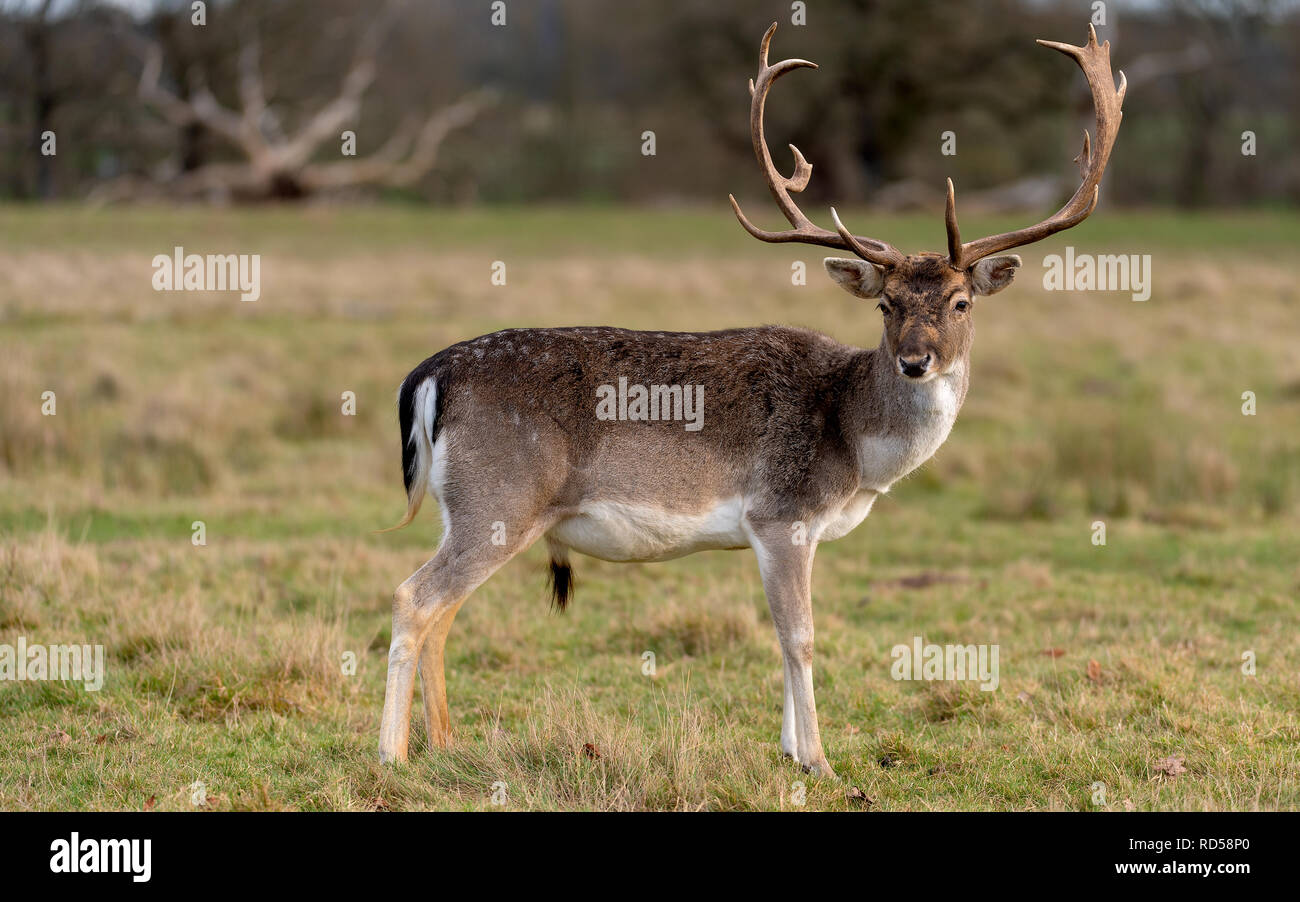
{"x": 417, "y": 412}
{"x": 561, "y": 576}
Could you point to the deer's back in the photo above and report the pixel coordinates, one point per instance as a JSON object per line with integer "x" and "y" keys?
{"x": 767, "y": 399}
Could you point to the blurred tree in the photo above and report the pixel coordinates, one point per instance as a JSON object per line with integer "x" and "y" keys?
{"x": 39, "y": 84}
{"x": 38, "y": 36}
{"x": 894, "y": 75}
{"x": 275, "y": 159}
{"x": 582, "y": 80}
{"x": 1236, "y": 35}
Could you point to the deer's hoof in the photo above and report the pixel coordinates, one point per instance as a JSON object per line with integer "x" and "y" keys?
{"x": 820, "y": 769}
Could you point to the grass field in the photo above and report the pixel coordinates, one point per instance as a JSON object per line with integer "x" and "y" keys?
{"x": 225, "y": 661}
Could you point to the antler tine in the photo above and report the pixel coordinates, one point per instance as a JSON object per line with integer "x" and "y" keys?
{"x": 950, "y": 220}
{"x": 803, "y": 231}
{"x": 764, "y": 46}
{"x": 881, "y": 253}
{"x": 1094, "y": 60}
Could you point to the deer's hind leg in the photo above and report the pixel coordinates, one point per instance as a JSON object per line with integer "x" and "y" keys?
{"x": 437, "y": 719}
{"x": 423, "y": 609}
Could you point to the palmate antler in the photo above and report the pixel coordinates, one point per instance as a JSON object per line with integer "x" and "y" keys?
{"x": 1094, "y": 59}
{"x": 804, "y": 231}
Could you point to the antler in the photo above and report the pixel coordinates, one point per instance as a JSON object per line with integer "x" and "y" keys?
{"x": 804, "y": 231}
{"x": 1094, "y": 60}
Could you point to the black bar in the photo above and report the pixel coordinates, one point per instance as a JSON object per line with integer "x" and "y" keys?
{"x": 601, "y": 854}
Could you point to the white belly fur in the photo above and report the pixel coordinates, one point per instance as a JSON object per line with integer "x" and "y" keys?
{"x": 615, "y": 531}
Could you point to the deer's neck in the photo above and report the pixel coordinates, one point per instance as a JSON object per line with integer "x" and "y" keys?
{"x": 895, "y": 423}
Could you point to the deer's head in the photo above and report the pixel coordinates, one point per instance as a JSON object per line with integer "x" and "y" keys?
{"x": 927, "y": 299}
{"x": 926, "y": 303}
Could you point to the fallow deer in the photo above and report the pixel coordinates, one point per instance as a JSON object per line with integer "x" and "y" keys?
{"x": 801, "y": 433}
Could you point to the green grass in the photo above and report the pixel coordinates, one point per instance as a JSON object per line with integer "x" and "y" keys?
{"x": 655, "y": 231}
{"x": 225, "y": 661}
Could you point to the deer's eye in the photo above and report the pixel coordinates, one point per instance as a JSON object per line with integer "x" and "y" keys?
{"x": 962, "y": 305}
{"x": 883, "y": 308}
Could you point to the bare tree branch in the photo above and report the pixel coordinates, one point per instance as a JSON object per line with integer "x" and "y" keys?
{"x": 390, "y": 165}
{"x": 278, "y": 163}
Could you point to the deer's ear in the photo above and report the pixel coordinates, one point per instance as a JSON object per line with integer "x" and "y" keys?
{"x": 992, "y": 274}
{"x": 857, "y": 277}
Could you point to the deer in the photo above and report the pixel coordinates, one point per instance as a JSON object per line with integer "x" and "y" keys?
{"x": 801, "y": 434}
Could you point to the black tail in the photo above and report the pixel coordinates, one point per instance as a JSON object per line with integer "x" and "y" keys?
{"x": 417, "y": 414}
{"x": 561, "y": 584}
{"x": 406, "y": 419}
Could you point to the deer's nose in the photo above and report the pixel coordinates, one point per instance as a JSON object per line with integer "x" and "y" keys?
{"x": 914, "y": 367}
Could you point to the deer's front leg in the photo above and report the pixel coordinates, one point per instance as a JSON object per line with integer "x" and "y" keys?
{"x": 786, "y": 569}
